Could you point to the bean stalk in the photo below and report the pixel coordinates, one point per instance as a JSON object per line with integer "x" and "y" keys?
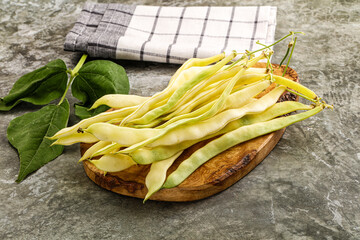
{"x": 73, "y": 73}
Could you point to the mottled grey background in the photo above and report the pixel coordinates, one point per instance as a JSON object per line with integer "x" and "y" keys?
{"x": 307, "y": 188}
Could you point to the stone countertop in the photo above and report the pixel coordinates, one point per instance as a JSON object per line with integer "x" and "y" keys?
{"x": 307, "y": 188}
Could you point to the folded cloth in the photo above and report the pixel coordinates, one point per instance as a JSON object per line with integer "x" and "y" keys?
{"x": 169, "y": 34}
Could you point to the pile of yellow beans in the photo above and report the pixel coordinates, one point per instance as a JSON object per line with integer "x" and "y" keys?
{"x": 205, "y": 98}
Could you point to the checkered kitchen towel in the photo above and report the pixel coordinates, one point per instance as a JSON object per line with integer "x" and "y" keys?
{"x": 169, "y": 34}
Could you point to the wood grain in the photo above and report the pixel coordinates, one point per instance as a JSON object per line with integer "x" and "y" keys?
{"x": 212, "y": 177}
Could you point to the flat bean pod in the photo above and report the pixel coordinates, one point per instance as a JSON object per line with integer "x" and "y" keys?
{"x": 229, "y": 140}
{"x": 75, "y": 138}
{"x": 256, "y": 70}
{"x": 157, "y": 175}
{"x": 110, "y": 148}
{"x": 113, "y": 162}
{"x": 94, "y": 148}
{"x": 295, "y": 86}
{"x": 119, "y": 101}
{"x": 152, "y": 124}
{"x": 125, "y": 136}
{"x": 118, "y": 120}
{"x": 102, "y": 117}
{"x": 196, "y": 62}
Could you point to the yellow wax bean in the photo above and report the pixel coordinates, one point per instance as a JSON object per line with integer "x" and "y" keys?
{"x": 157, "y": 175}
{"x": 102, "y": 117}
{"x": 113, "y": 162}
{"x": 257, "y": 70}
{"x": 152, "y": 124}
{"x": 119, "y": 101}
{"x": 89, "y": 153}
{"x": 196, "y": 62}
{"x": 295, "y": 86}
{"x": 125, "y": 136}
{"x": 117, "y": 121}
{"x": 76, "y": 138}
{"x": 110, "y": 148}
{"x": 249, "y": 78}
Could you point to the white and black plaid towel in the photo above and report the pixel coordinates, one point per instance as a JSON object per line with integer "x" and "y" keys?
{"x": 169, "y": 34}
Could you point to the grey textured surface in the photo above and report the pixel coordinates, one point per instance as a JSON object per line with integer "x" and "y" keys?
{"x": 307, "y": 188}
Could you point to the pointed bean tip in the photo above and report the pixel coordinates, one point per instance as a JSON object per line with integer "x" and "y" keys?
{"x": 146, "y": 198}
{"x": 51, "y": 138}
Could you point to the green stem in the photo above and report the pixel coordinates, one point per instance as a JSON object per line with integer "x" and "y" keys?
{"x": 290, "y": 34}
{"x": 79, "y": 64}
{"x": 287, "y": 64}
{"x": 288, "y": 50}
{"x": 303, "y": 96}
{"x": 67, "y": 88}
{"x": 265, "y": 47}
{"x": 236, "y": 62}
{"x": 259, "y": 43}
{"x": 73, "y": 73}
{"x": 269, "y": 67}
{"x": 287, "y": 53}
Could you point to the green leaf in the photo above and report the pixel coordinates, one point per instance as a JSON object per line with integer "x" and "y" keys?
{"x": 28, "y": 134}
{"x": 96, "y": 79}
{"x": 38, "y": 87}
{"x": 84, "y": 112}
